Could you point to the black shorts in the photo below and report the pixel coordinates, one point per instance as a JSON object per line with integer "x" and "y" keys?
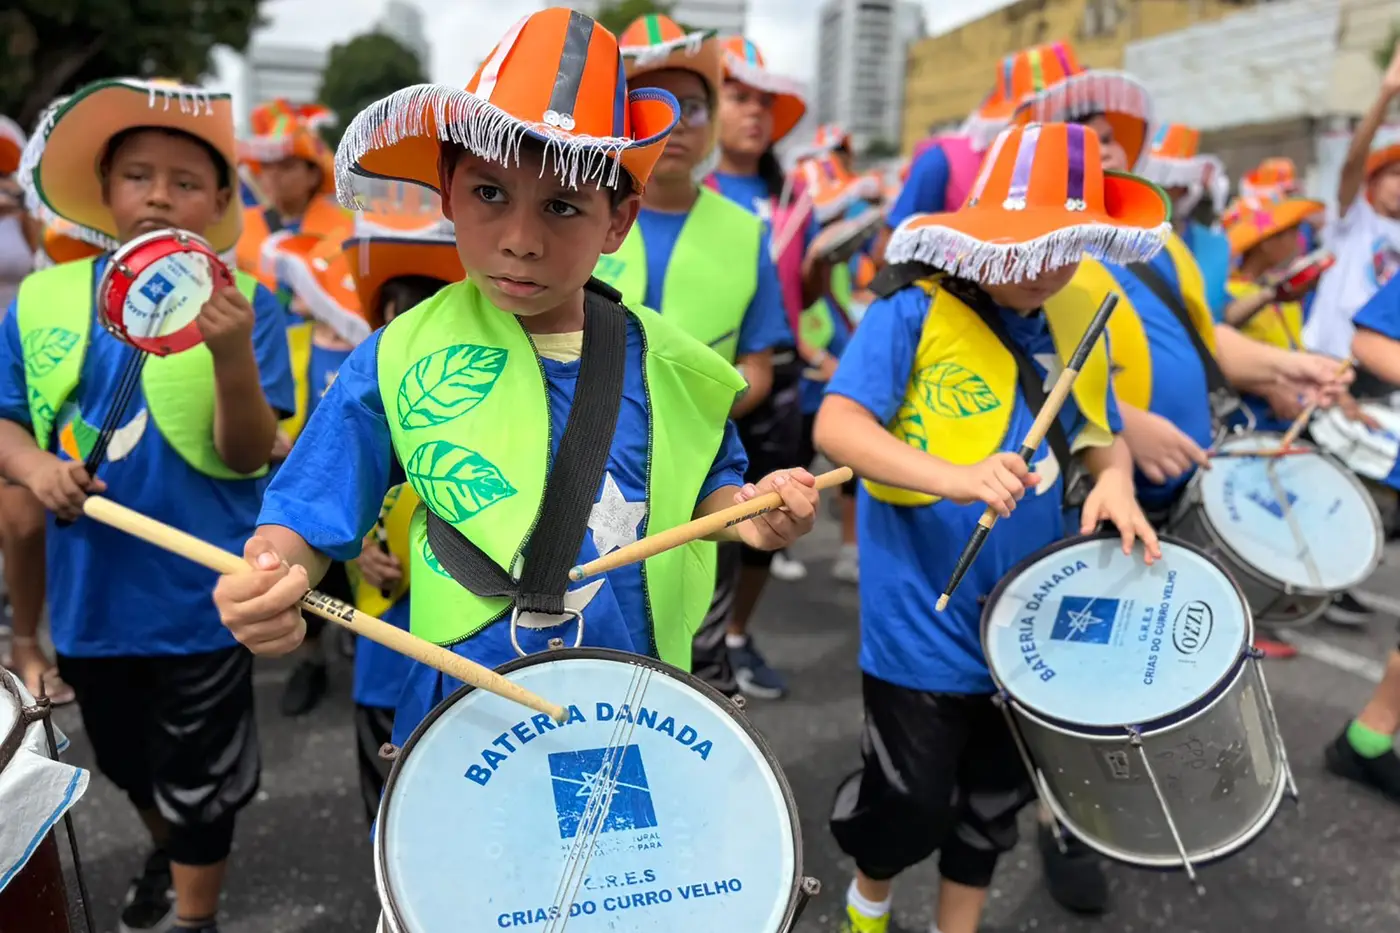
{"x": 772, "y": 433}
{"x": 941, "y": 773}
{"x": 807, "y": 453}
{"x": 373, "y": 727}
{"x": 178, "y": 735}
{"x": 335, "y": 584}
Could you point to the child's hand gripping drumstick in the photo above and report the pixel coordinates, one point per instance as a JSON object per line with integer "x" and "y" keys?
{"x": 1039, "y": 428}
{"x": 1306, "y": 414}
{"x": 701, "y": 527}
{"x": 202, "y": 552}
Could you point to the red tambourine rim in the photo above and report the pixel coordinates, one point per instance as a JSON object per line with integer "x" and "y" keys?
{"x": 125, "y": 267}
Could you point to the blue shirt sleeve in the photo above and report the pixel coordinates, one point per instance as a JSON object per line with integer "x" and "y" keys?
{"x": 877, "y": 363}
{"x": 1381, "y": 314}
{"x": 14, "y": 394}
{"x": 271, "y": 352}
{"x": 332, "y": 484}
{"x": 731, "y": 462}
{"x": 765, "y": 323}
{"x": 926, "y": 188}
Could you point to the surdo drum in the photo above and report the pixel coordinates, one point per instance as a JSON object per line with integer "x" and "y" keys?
{"x": 1137, "y": 700}
{"x": 655, "y": 807}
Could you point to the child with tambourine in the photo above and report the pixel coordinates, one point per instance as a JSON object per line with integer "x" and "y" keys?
{"x": 165, "y": 692}
{"x": 473, "y": 394}
{"x": 932, "y": 399}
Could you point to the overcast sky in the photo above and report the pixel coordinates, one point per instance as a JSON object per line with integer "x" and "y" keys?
{"x": 463, "y": 31}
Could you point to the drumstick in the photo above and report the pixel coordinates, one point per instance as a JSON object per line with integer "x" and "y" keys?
{"x": 1048, "y": 413}
{"x": 202, "y": 552}
{"x": 702, "y": 527}
{"x": 1271, "y": 452}
{"x": 1305, "y": 416}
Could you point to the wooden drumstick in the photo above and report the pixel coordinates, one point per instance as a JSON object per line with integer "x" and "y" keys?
{"x": 202, "y": 552}
{"x": 1302, "y": 420}
{"x": 702, "y": 527}
{"x": 1039, "y": 428}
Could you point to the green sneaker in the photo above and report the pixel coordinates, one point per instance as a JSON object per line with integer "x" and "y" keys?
{"x": 857, "y": 922}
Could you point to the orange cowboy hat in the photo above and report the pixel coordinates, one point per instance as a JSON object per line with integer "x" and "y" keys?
{"x": 743, "y": 62}
{"x": 66, "y": 242}
{"x": 1385, "y": 150}
{"x": 1122, "y": 99}
{"x": 1250, "y": 221}
{"x": 556, "y": 77}
{"x": 59, "y": 168}
{"x": 829, "y": 138}
{"x": 1272, "y": 179}
{"x": 282, "y": 130}
{"x": 1041, "y": 200}
{"x": 1020, "y": 77}
{"x": 1173, "y": 160}
{"x": 11, "y": 145}
{"x": 833, "y": 189}
{"x": 656, "y": 43}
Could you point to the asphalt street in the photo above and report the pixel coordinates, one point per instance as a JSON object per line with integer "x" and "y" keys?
{"x": 302, "y": 862}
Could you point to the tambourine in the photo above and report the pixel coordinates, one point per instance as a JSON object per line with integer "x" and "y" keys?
{"x": 839, "y": 241}
{"x": 1303, "y": 274}
{"x": 154, "y": 287}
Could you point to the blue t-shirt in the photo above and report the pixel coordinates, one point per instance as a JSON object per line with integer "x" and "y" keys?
{"x": 907, "y": 554}
{"x": 380, "y": 673}
{"x": 811, "y": 391}
{"x": 246, "y": 195}
{"x": 926, "y": 188}
{"x": 111, "y": 594}
{"x": 764, "y": 325}
{"x": 1212, "y": 251}
{"x": 1381, "y": 313}
{"x": 348, "y": 439}
{"x": 321, "y": 372}
{"x": 751, "y": 193}
{"x": 1179, "y": 392}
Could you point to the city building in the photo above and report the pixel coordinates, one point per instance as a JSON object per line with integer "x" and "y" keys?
{"x": 404, "y": 21}
{"x": 948, "y": 75}
{"x": 272, "y": 70}
{"x": 727, "y": 17}
{"x": 860, "y": 65}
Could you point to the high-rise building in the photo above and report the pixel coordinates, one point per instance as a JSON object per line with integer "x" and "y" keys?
{"x": 404, "y": 21}
{"x": 726, "y": 17}
{"x": 292, "y": 72}
{"x": 861, "y": 46}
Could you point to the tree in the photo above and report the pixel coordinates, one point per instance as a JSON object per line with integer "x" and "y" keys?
{"x": 1382, "y": 53}
{"x": 53, "y": 47}
{"x": 881, "y": 149}
{"x": 360, "y": 72}
{"x": 617, "y": 15}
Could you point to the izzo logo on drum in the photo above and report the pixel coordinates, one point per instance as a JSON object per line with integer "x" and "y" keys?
{"x": 1193, "y": 626}
{"x": 607, "y": 782}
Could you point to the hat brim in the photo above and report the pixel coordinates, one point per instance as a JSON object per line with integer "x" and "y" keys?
{"x": 1122, "y": 99}
{"x": 699, "y": 53}
{"x": 400, "y": 138}
{"x": 991, "y": 246}
{"x": 1382, "y": 157}
{"x": 67, "y": 179}
{"x": 789, "y": 95}
{"x": 328, "y": 300}
{"x": 373, "y": 261}
{"x": 1244, "y": 236}
{"x": 1173, "y": 172}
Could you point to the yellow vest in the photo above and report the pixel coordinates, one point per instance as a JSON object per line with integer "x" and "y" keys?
{"x": 963, "y": 387}
{"x": 395, "y": 517}
{"x": 1278, "y": 323}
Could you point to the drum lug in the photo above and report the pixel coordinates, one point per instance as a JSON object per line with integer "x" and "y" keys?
{"x": 555, "y": 644}
{"x": 740, "y": 703}
{"x": 125, "y": 270}
{"x": 389, "y": 752}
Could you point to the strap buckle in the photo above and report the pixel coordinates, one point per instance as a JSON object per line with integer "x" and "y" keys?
{"x": 568, "y": 611}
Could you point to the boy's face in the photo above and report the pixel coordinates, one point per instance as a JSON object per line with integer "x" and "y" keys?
{"x": 1282, "y": 247}
{"x": 686, "y": 147}
{"x": 289, "y": 182}
{"x": 527, "y": 240}
{"x": 745, "y": 119}
{"x": 157, "y": 180}
{"x": 1029, "y": 294}
{"x": 1383, "y": 191}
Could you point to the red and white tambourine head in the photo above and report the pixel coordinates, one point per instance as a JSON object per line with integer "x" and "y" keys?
{"x": 1303, "y": 274}
{"x": 154, "y": 287}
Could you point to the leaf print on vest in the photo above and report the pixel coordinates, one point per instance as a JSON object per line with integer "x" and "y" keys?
{"x": 44, "y": 349}
{"x": 455, "y": 482}
{"x": 816, "y": 326}
{"x": 431, "y": 560}
{"x": 609, "y": 269}
{"x": 954, "y": 391}
{"x": 39, "y": 408}
{"x": 448, "y": 384}
{"x": 908, "y": 426}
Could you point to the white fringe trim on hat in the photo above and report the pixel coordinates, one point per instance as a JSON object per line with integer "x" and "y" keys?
{"x": 1172, "y": 173}
{"x": 643, "y": 55}
{"x": 270, "y": 148}
{"x": 1000, "y": 263}
{"x": 763, "y": 79}
{"x": 981, "y": 131}
{"x": 479, "y": 126}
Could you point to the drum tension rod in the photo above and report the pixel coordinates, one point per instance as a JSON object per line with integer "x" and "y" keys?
{"x": 1135, "y": 739}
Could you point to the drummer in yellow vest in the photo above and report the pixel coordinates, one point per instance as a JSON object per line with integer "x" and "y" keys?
{"x": 928, "y": 408}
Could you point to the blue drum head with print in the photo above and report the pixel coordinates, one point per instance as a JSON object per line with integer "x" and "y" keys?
{"x": 1086, "y": 635}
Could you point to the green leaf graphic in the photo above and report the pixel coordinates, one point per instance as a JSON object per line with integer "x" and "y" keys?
{"x": 431, "y": 560}
{"x": 609, "y": 269}
{"x": 39, "y": 408}
{"x": 455, "y": 482}
{"x": 448, "y": 384}
{"x": 45, "y": 348}
{"x": 953, "y": 391}
{"x": 908, "y": 426}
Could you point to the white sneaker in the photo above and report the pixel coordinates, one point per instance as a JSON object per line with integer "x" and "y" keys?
{"x": 787, "y": 569}
{"x": 846, "y": 568}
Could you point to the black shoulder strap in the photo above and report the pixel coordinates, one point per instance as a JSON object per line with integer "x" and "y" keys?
{"x": 573, "y": 480}
{"x": 273, "y": 220}
{"x": 1159, "y": 286}
{"x": 899, "y": 276}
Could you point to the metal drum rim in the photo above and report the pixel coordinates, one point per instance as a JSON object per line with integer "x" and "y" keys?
{"x": 796, "y": 897}
{"x": 1216, "y": 691}
{"x": 1330, "y": 419}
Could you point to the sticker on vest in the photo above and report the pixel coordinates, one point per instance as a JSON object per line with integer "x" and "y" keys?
{"x": 954, "y": 391}
{"x": 614, "y": 520}
{"x": 447, "y": 384}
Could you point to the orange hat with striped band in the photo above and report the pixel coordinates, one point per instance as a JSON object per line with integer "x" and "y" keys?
{"x": 1250, "y": 221}
{"x": 556, "y": 77}
{"x": 1173, "y": 161}
{"x": 743, "y": 62}
{"x": 11, "y": 145}
{"x": 656, "y": 43}
{"x": 1274, "y": 178}
{"x": 282, "y": 130}
{"x": 1122, "y": 99}
{"x": 1040, "y": 201}
{"x": 1385, "y": 150}
{"x": 833, "y": 189}
{"x": 1020, "y": 76}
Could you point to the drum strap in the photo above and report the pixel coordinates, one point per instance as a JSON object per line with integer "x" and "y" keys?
{"x": 273, "y": 220}
{"x": 1223, "y": 399}
{"x": 574, "y": 475}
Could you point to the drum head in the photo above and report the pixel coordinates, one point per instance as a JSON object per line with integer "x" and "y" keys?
{"x": 154, "y": 287}
{"x": 487, "y": 801}
{"x": 1369, "y": 452}
{"x": 1085, "y": 635}
{"x": 1334, "y": 538}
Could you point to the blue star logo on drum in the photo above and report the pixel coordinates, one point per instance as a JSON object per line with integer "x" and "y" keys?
{"x": 1085, "y": 619}
{"x": 606, "y": 786}
{"x": 157, "y": 288}
{"x": 1269, "y": 502}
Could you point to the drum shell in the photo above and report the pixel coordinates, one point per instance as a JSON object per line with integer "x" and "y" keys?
{"x": 1221, "y": 772}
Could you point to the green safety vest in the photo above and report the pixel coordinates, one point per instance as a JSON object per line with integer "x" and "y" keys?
{"x": 815, "y": 323}
{"x": 711, "y": 278}
{"x": 55, "y": 323}
{"x": 465, "y": 396}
